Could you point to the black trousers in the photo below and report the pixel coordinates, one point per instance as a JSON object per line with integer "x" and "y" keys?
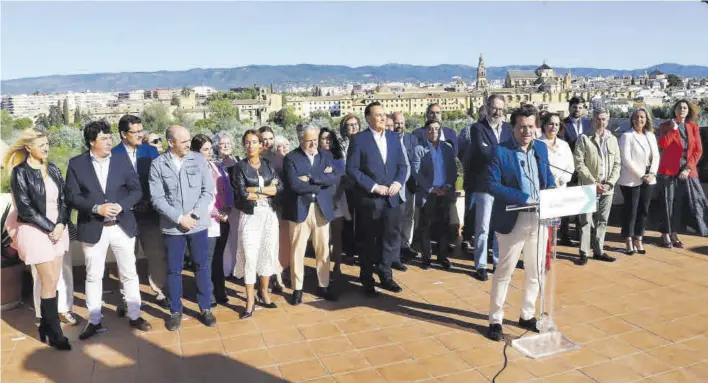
{"x": 636, "y": 209}
{"x": 380, "y": 226}
{"x": 435, "y": 221}
{"x": 349, "y": 228}
{"x": 217, "y": 262}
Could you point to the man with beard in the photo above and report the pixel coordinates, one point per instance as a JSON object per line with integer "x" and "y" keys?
{"x": 408, "y": 143}
{"x": 434, "y": 112}
{"x": 517, "y": 172}
{"x": 485, "y": 135}
{"x": 573, "y": 128}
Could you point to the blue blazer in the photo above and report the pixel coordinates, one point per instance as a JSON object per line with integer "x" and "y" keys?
{"x": 480, "y": 149}
{"x": 504, "y": 182}
{"x": 83, "y": 191}
{"x": 424, "y": 171}
{"x": 144, "y": 154}
{"x": 450, "y": 135}
{"x": 570, "y": 135}
{"x": 298, "y": 194}
{"x": 366, "y": 167}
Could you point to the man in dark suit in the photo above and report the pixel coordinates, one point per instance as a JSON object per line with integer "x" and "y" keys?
{"x": 573, "y": 128}
{"x": 434, "y": 112}
{"x": 485, "y": 135}
{"x": 517, "y": 173}
{"x": 141, "y": 155}
{"x": 376, "y": 163}
{"x": 104, "y": 188}
{"x": 409, "y": 143}
{"x": 308, "y": 205}
{"x": 435, "y": 172}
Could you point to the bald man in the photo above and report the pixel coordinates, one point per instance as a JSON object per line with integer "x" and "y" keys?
{"x": 181, "y": 189}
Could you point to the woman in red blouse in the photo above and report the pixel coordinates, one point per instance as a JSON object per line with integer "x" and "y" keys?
{"x": 680, "y": 142}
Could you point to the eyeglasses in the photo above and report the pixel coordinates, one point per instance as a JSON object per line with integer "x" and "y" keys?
{"x": 156, "y": 141}
{"x": 136, "y": 131}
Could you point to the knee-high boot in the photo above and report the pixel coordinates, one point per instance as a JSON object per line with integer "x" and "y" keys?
{"x": 50, "y": 326}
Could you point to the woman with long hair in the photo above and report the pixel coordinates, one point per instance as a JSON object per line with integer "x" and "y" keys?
{"x": 42, "y": 215}
{"x": 219, "y": 210}
{"x": 640, "y": 161}
{"x": 256, "y": 183}
{"x": 328, "y": 141}
{"x": 680, "y": 141}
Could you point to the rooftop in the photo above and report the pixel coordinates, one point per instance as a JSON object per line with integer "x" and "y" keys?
{"x": 521, "y": 74}
{"x": 640, "y": 319}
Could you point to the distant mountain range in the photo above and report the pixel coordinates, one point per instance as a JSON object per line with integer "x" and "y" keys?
{"x": 287, "y": 75}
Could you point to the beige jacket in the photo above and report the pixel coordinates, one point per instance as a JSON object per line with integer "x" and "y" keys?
{"x": 588, "y": 161}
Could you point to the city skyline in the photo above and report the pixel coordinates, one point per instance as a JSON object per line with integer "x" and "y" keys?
{"x": 83, "y": 38}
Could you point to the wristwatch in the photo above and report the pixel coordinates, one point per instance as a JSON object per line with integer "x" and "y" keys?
{"x": 94, "y": 209}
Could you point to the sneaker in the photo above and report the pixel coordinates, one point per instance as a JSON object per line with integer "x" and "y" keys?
{"x": 208, "y": 318}
{"x": 481, "y": 274}
{"x": 140, "y": 324}
{"x": 495, "y": 332}
{"x": 91, "y": 330}
{"x": 67, "y": 318}
{"x": 174, "y": 322}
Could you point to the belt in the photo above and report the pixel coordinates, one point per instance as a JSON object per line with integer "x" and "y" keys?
{"x": 110, "y": 223}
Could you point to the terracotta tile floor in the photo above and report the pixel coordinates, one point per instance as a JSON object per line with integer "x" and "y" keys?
{"x": 642, "y": 318}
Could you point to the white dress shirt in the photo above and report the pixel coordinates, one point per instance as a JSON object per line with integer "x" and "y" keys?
{"x": 496, "y": 129}
{"x": 177, "y": 161}
{"x": 133, "y": 155}
{"x": 100, "y": 166}
{"x": 380, "y": 140}
{"x": 408, "y": 170}
{"x": 577, "y": 125}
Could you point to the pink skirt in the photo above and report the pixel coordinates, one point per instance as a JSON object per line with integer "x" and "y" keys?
{"x": 34, "y": 245}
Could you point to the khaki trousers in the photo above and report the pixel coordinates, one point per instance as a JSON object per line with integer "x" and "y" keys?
{"x": 317, "y": 227}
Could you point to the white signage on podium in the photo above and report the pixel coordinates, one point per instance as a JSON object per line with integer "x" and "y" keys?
{"x": 563, "y": 202}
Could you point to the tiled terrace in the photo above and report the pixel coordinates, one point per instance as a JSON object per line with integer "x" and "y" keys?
{"x": 642, "y": 318}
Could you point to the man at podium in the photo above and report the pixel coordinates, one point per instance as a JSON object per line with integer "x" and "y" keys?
{"x": 517, "y": 173}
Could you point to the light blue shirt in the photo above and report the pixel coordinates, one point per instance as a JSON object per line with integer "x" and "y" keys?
{"x": 529, "y": 172}
{"x": 438, "y": 165}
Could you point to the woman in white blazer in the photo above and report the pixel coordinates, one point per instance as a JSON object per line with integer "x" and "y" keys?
{"x": 639, "y": 153}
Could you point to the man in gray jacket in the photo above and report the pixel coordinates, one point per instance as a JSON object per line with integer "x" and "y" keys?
{"x": 181, "y": 189}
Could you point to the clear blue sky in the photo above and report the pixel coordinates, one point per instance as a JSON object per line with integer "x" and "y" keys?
{"x": 70, "y": 38}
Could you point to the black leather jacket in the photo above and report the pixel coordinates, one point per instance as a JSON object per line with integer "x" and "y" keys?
{"x": 243, "y": 175}
{"x": 29, "y": 195}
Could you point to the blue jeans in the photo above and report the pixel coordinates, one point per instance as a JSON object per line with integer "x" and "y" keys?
{"x": 483, "y": 214}
{"x": 175, "y": 245}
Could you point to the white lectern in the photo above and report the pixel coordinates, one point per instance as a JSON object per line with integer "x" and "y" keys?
{"x": 553, "y": 204}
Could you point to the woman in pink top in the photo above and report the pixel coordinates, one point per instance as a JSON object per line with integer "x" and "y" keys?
{"x": 42, "y": 215}
{"x": 220, "y": 208}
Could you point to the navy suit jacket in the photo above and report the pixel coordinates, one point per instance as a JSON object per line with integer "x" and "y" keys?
{"x": 422, "y": 135}
{"x": 424, "y": 170}
{"x": 298, "y": 194}
{"x": 366, "y": 167}
{"x": 504, "y": 182}
{"x": 570, "y": 135}
{"x": 83, "y": 191}
{"x": 144, "y": 154}
{"x": 482, "y": 145}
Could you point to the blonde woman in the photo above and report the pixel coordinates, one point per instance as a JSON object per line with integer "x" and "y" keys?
{"x": 42, "y": 214}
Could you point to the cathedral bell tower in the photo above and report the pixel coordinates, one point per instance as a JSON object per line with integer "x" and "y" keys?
{"x": 481, "y": 75}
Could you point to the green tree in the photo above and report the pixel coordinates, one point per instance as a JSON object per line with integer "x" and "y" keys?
{"x": 175, "y": 101}
{"x": 184, "y": 119}
{"x": 56, "y": 116}
{"x": 77, "y": 115}
{"x": 675, "y": 80}
{"x": 156, "y": 117}
{"x": 7, "y": 124}
{"x": 320, "y": 114}
{"x": 450, "y": 115}
{"x": 205, "y": 124}
{"x": 23, "y": 123}
{"x": 222, "y": 110}
{"x": 662, "y": 112}
{"x": 43, "y": 122}
{"x": 618, "y": 113}
{"x": 65, "y": 111}
{"x": 284, "y": 117}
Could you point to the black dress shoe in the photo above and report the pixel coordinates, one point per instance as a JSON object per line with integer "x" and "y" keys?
{"x": 481, "y": 274}
{"x": 399, "y": 266}
{"x": 528, "y": 324}
{"x": 207, "y": 318}
{"x": 565, "y": 241}
{"x": 425, "y": 265}
{"x": 261, "y": 299}
{"x": 583, "y": 259}
{"x": 445, "y": 263}
{"x": 326, "y": 294}
{"x": 122, "y": 309}
{"x": 496, "y": 333}
{"x": 296, "y": 298}
{"x": 604, "y": 257}
{"x": 494, "y": 269}
{"x": 520, "y": 264}
{"x": 391, "y": 285}
{"x": 140, "y": 324}
{"x": 173, "y": 322}
{"x": 370, "y": 291}
{"x": 91, "y": 330}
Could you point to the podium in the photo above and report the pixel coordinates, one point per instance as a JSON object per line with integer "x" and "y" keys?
{"x": 553, "y": 204}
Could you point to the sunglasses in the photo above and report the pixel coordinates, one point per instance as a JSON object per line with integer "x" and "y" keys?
{"x": 156, "y": 141}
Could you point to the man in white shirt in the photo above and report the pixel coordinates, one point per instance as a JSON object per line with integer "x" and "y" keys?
{"x": 104, "y": 188}
{"x": 377, "y": 165}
